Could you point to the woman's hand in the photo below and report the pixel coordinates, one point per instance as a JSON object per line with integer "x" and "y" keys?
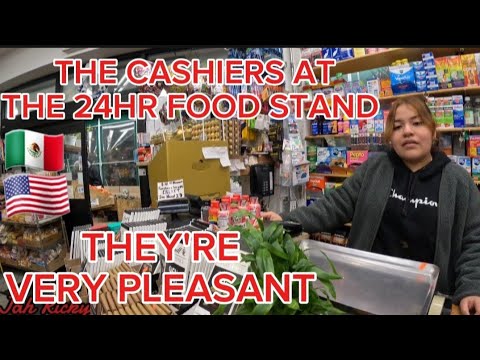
{"x": 271, "y": 216}
{"x": 470, "y": 305}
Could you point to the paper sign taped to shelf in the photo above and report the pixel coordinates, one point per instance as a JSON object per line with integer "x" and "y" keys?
{"x": 170, "y": 190}
{"x": 71, "y": 194}
{"x": 217, "y": 152}
{"x": 237, "y": 164}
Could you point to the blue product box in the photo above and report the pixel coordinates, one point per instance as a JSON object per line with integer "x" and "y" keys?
{"x": 429, "y": 65}
{"x": 476, "y": 167}
{"x": 457, "y": 99}
{"x": 402, "y": 78}
{"x": 379, "y": 126}
{"x": 420, "y": 75}
{"x": 421, "y": 86}
{"x": 346, "y": 53}
{"x": 325, "y": 128}
{"x": 427, "y": 56}
{"x": 458, "y": 116}
{"x": 338, "y": 156}
{"x": 323, "y": 156}
{"x": 379, "y": 115}
{"x": 465, "y": 162}
{"x": 354, "y": 130}
{"x": 417, "y": 65}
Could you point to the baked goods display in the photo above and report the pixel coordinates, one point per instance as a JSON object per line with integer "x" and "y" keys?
{"x": 32, "y": 248}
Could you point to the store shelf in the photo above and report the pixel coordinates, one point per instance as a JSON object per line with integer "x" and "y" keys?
{"x": 316, "y": 137}
{"x": 40, "y": 223}
{"x": 38, "y": 245}
{"x": 466, "y": 90}
{"x": 343, "y": 176}
{"x": 447, "y": 130}
{"x": 72, "y": 149}
{"x": 54, "y": 265}
{"x": 386, "y": 58}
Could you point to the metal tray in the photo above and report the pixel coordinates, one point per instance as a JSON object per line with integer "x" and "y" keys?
{"x": 374, "y": 283}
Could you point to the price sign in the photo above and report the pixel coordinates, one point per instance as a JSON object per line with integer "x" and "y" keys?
{"x": 170, "y": 190}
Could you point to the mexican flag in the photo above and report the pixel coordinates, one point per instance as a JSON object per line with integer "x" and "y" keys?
{"x": 33, "y": 149}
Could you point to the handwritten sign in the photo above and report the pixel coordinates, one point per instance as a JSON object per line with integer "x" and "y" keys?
{"x": 170, "y": 190}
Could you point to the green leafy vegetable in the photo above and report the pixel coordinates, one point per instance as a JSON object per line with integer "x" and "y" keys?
{"x": 272, "y": 250}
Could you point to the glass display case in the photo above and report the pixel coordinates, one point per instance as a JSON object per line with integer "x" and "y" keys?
{"x": 110, "y": 147}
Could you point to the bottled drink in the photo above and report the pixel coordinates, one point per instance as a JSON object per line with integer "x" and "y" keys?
{"x": 468, "y": 112}
{"x": 476, "y": 112}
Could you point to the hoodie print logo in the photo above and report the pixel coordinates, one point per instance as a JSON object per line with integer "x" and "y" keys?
{"x": 416, "y": 201}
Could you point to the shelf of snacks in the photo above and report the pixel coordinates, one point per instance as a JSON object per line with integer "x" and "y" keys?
{"x": 30, "y": 220}
{"x": 34, "y": 238}
{"x": 387, "y": 57}
{"x": 33, "y": 242}
{"x": 343, "y": 176}
{"x": 465, "y": 90}
{"x": 52, "y": 260}
{"x": 452, "y": 129}
{"x": 316, "y": 137}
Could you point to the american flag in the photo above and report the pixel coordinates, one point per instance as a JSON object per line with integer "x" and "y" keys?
{"x": 27, "y": 193}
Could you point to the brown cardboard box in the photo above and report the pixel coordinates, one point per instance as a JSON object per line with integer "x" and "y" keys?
{"x": 184, "y": 160}
{"x": 126, "y": 204}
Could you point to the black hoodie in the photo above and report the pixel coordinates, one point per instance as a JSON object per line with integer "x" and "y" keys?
{"x": 409, "y": 223}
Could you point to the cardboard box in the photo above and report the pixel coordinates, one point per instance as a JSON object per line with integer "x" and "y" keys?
{"x": 127, "y": 204}
{"x": 184, "y": 160}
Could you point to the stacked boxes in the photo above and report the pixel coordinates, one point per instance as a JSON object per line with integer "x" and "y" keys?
{"x": 464, "y": 161}
{"x": 402, "y": 79}
{"x": 473, "y": 145}
{"x": 449, "y": 72}
{"x": 470, "y": 70}
{"x": 476, "y": 168}
{"x": 447, "y": 111}
{"x": 332, "y": 156}
{"x": 420, "y": 76}
{"x": 458, "y": 115}
{"x": 337, "y": 53}
{"x": 430, "y": 72}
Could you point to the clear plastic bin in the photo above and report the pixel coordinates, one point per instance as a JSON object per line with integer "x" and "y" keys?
{"x": 374, "y": 283}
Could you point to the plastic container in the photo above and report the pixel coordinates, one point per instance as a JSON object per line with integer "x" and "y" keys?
{"x": 374, "y": 283}
{"x": 468, "y": 112}
{"x": 476, "y": 111}
{"x": 213, "y": 212}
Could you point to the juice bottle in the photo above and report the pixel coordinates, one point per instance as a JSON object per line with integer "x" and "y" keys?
{"x": 213, "y": 212}
{"x": 468, "y": 112}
